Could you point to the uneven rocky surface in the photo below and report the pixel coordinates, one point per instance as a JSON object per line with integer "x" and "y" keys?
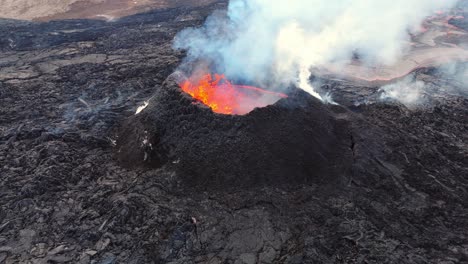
{"x": 65, "y": 88}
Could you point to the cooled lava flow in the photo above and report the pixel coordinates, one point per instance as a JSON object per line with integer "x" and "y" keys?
{"x": 224, "y": 97}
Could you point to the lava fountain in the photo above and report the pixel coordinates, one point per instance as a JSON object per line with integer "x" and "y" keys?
{"x": 223, "y": 97}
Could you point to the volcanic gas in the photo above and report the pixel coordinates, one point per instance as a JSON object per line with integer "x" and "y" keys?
{"x": 223, "y": 97}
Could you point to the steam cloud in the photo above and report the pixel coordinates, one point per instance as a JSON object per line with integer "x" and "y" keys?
{"x": 457, "y": 72}
{"x": 407, "y": 91}
{"x": 414, "y": 93}
{"x": 278, "y": 42}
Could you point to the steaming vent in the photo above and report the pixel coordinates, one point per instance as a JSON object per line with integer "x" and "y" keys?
{"x": 223, "y": 97}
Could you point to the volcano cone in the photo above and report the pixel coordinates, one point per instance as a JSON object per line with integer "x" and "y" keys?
{"x": 297, "y": 139}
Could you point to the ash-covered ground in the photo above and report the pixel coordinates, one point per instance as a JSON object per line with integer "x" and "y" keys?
{"x": 66, "y": 86}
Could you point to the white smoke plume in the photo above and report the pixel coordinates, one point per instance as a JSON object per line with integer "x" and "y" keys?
{"x": 414, "y": 93}
{"x": 408, "y": 91}
{"x": 457, "y": 73}
{"x": 278, "y": 42}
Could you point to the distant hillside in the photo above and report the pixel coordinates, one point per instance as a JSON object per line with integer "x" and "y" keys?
{"x": 99, "y": 9}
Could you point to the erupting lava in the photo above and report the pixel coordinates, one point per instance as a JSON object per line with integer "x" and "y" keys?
{"x": 226, "y": 98}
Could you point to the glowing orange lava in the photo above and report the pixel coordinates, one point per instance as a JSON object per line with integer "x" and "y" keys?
{"x": 226, "y": 98}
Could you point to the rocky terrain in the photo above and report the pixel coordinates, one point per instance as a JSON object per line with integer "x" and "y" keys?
{"x": 67, "y": 86}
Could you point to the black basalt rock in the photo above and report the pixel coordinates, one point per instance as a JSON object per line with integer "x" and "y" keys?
{"x": 296, "y": 140}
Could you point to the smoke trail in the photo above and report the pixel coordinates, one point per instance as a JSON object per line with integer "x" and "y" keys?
{"x": 277, "y": 42}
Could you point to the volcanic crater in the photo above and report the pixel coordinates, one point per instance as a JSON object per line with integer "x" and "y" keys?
{"x": 298, "y": 139}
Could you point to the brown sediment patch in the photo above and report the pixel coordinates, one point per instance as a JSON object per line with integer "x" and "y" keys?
{"x": 112, "y": 9}
{"x": 439, "y": 43}
{"x": 383, "y": 74}
{"x": 92, "y": 9}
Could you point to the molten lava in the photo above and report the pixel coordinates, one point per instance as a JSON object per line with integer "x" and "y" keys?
{"x": 226, "y": 98}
